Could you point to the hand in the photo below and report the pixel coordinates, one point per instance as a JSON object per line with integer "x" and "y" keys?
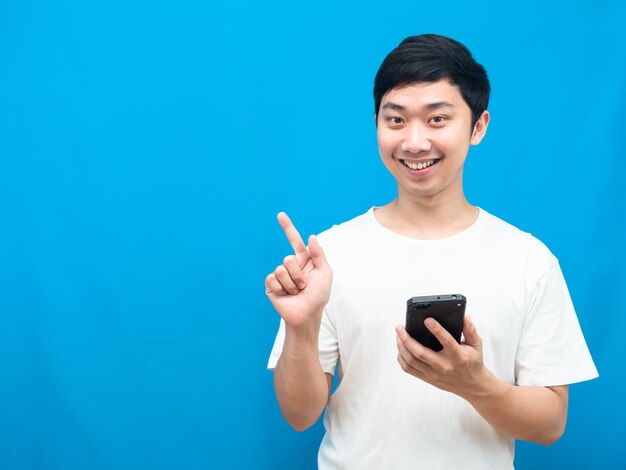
{"x": 457, "y": 368}
{"x": 300, "y": 287}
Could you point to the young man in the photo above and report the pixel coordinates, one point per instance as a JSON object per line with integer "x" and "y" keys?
{"x": 399, "y": 404}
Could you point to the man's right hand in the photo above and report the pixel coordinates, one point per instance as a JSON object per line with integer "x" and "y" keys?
{"x": 300, "y": 287}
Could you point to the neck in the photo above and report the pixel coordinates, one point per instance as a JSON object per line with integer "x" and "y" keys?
{"x": 429, "y": 217}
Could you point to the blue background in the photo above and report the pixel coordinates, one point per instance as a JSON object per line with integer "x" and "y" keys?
{"x": 145, "y": 149}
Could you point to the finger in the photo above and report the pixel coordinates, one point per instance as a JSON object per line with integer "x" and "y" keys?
{"x": 317, "y": 253}
{"x": 285, "y": 280}
{"x": 293, "y": 268}
{"x": 446, "y": 339}
{"x": 414, "y": 361}
{"x": 294, "y": 238}
{"x": 471, "y": 334}
{"x": 416, "y": 349}
{"x": 272, "y": 286}
{"x": 409, "y": 369}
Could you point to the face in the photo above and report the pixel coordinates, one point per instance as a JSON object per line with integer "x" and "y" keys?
{"x": 424, "y": 134}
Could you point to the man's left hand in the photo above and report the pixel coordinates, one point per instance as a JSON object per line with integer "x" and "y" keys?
{"x": 457, "y": 368}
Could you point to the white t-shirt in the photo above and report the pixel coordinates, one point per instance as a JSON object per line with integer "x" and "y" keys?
{"x": 383, "y": 418}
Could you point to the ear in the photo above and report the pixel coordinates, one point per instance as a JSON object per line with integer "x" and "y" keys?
{"x": 480, "y": 128}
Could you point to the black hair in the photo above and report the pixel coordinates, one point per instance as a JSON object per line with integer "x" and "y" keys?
{"x": 429, "y": 58}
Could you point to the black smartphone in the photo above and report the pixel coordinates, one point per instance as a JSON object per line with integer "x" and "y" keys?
{"x": 448, "y": 310}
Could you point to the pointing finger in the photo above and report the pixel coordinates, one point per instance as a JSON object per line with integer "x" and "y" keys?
{"x": 295, "y": 240}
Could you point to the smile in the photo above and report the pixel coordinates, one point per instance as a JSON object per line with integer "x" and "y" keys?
{"x": 419, "y": 165}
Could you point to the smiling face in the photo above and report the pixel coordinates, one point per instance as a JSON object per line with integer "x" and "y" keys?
{"x": 424, "y": 133}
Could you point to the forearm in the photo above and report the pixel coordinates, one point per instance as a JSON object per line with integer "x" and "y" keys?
{"x": 300, "y": 383}
{"x": 530, "y": 413}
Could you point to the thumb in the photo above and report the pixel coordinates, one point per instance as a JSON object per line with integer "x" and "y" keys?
{"x": 470, "y": 333}
{"x": 317, "y": 254}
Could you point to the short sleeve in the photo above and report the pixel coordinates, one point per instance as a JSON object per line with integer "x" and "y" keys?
{"x": 552, "y": 349}
{"x": 328, "y": 346}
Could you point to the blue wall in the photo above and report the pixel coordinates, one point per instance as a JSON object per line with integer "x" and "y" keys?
{"x": 145, "y": 148}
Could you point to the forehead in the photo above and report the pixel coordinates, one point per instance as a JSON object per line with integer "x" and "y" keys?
{"x": 418, "y": 96}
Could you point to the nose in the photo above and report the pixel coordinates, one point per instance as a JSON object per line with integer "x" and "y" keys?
{"x": 416, "y": 140}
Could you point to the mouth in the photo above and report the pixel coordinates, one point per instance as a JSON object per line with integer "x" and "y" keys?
{"x": 421, "y": 165}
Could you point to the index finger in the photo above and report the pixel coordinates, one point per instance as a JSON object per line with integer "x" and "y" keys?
{"x": 294, "y": 238}
{"x": 445, "y": 338}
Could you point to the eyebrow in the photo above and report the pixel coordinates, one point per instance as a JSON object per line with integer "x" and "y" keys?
{"x": 429, "y": 106}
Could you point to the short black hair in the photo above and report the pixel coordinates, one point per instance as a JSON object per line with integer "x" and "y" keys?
{"x": 429, "y": 58}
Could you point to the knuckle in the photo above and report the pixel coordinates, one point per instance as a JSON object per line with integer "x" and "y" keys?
{"x": 417, "y": 355}
{"x": 447, "y": 369}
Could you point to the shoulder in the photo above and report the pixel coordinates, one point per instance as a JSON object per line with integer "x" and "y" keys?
{"x": 346, "y": 232}
{"x": 341, "y": 241}
{"x": 513, "y": 241}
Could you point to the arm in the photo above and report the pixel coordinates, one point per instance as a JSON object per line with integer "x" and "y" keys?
{"x": 299, "y": 289}
{"x": 529, "y": 413}
{"x": 536, "y": 414}
{"x": 302, "y": 388}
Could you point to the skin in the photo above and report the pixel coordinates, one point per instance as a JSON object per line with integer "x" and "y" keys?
{"x": 299, "y": 289}
{"x": 415, "y": 123}
{"x": 410, "y": 127}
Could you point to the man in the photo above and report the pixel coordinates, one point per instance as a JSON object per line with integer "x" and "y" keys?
{"x": 399, "y": 404}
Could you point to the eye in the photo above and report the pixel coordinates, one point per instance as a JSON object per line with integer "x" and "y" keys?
{"x": 438, "y": 119}
{"x": 395, "y": 120}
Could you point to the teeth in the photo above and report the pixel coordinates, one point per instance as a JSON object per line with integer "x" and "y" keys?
{"x": 419, "y": 165}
